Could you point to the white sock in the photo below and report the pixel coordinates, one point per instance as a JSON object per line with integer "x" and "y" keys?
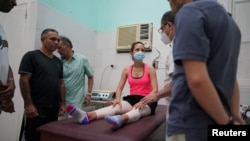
{"x": 78, "y": 114}
{"x": 115, "y": 121}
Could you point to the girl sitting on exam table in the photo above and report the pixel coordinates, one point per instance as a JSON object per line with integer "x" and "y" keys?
{"x": 142, "y": 81}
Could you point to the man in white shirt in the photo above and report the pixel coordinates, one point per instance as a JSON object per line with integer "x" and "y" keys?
{"x": 7, "y": 84}
{"x": 167, "y": 31}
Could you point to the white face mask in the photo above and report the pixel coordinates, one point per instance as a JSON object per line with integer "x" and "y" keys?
{"x": 139, "y": 56}
{"x": 164, "y": 38}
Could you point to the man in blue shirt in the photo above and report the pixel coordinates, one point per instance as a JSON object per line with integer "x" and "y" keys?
{"x": 75, "y": 67}
{"x": 205, "y": 88}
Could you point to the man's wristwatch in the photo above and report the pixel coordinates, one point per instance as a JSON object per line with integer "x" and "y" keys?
{"x": 89, "y": 94}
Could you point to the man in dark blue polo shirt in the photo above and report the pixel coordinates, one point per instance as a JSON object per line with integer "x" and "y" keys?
{"x": 205, "y": 88}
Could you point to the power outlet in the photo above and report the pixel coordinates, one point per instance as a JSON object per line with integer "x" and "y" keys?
{"x": 155, "y": 64}
{"x": 113, "y": 66}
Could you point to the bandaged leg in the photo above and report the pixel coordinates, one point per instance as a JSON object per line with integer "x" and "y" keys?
{"x": 116, "y": 121}
{"x": 136, "y": 114}
{"x": 110, "y": 110}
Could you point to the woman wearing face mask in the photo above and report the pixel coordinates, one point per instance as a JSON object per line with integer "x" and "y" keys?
{"x": 142, "y": 81}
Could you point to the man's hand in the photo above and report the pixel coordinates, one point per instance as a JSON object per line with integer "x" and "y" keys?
{"x": 7, "y": 91}
{"x": 30, "y": 111}
{"x": 6, "y": 95}
{"x": 8, "y": 106}
{"x": 239, "y": 121}
{"x": 87, "y": 100}
{"x": 62, "y": 110}
{"x": 150, "y": 98}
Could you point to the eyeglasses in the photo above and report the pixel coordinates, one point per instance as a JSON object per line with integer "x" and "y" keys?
{"x": 161, "y": 28}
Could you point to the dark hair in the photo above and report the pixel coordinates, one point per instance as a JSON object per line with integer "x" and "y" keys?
{"x": 66, "y": 41}
{"x": 135, "y": 43}
{"x": 168, "y": 16}
{"x": 45, "y": 31}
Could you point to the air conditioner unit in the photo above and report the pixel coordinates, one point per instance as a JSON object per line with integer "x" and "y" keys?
{"x": 126, "y": 35}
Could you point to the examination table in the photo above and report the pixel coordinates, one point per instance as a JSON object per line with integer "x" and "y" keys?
{"x": 149, "y": 128}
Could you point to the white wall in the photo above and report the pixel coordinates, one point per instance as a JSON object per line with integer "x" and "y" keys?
{"x": 83, "y": 39}
{"x": 226, "y": 4}
{"x": 239, "y": 10}
{"x": 23, "y": 27}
